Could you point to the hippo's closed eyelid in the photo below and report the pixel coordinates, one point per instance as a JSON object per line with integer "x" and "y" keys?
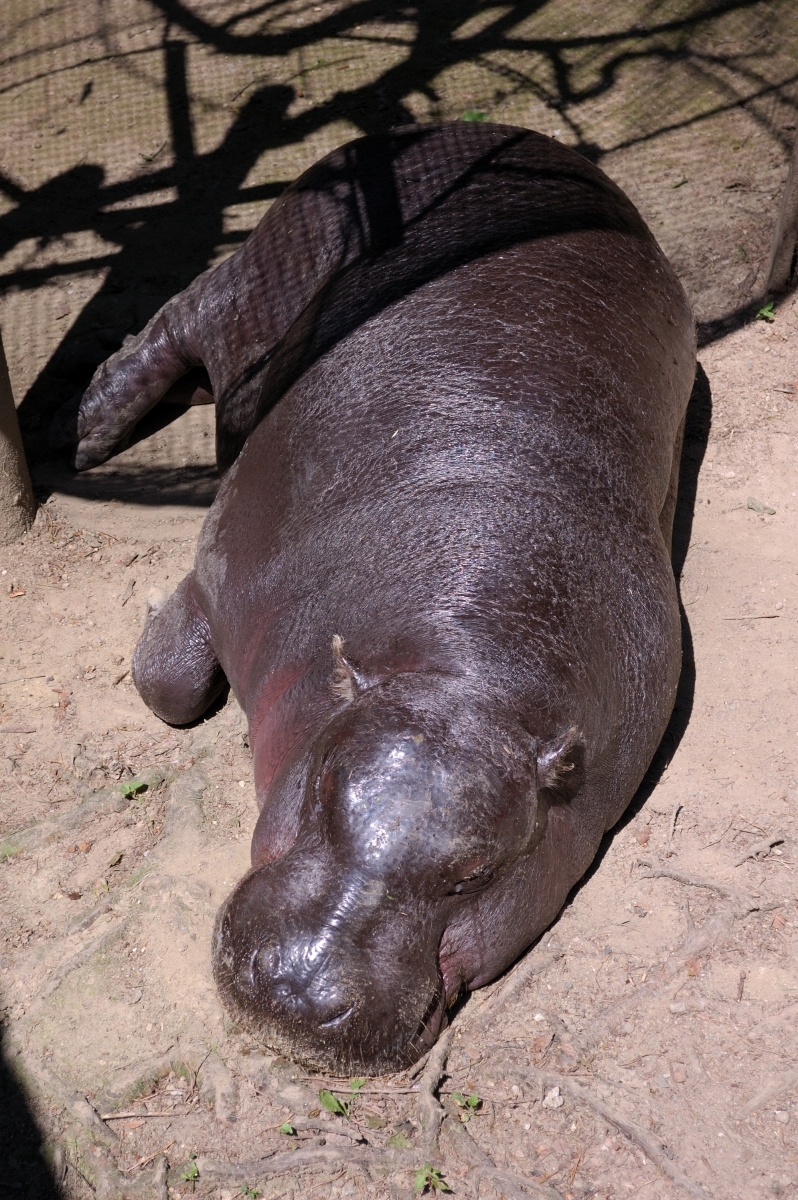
{"x": 474, "y": 881}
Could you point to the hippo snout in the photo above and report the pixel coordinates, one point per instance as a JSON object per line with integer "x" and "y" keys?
{"x": 357, "y": 995}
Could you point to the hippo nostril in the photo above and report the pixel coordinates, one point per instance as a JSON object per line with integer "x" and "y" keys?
{"x": 263, "y": 962}
{"x": 337, "y": 1018}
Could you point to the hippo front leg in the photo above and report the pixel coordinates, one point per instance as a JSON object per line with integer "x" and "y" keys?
{"x": 174, "y": 664}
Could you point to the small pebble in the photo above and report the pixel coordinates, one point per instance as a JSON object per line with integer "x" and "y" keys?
{"x": 552, "y": 1099}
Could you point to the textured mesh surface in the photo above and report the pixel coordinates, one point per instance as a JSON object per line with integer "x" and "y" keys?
{"x": 141, "y": 141}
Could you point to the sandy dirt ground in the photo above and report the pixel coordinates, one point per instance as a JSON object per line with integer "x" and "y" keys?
{"x": 649, "y": 1041}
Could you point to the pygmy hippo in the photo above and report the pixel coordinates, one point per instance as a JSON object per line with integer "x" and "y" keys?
{"x": 450, "y": 368}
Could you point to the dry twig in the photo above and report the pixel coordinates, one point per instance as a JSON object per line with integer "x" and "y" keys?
{"x": 674, "y": 818}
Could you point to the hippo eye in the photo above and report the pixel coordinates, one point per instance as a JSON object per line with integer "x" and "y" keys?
{"x": 473, "y": 882}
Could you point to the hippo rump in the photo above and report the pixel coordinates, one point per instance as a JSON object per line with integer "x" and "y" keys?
{"x": 450, "y": 367}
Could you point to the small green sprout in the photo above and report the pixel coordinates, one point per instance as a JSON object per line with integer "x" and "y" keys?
{"x": 333, "y": 1104}
{"x": 133, "y": 787}
{"x": 356, "y": 1084}
{"x": 288, "y": 1128}
{"x": 398, "y": 1141}
{"x": 473, "y": 114}
{"x": 767, "y": 312}
{"x": 469, "y": 1104}
{"x": 190, "y": 1172}
{"x": 430, "y": 1178}
{"x": 252, "y": 1193}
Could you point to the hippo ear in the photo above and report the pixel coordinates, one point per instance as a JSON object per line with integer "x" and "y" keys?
{"x": 348, "y": 677}
{"x": 561, "y": 766}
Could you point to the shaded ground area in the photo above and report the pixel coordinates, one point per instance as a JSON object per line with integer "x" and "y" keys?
{"x": 649, "y": 1041}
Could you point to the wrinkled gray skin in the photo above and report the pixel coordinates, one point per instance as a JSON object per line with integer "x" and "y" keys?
{"x": 437, "y": 575}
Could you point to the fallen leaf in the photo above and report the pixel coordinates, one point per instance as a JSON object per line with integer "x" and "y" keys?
{"x": 693, "y": 966}
{"x": 779, "y": 921}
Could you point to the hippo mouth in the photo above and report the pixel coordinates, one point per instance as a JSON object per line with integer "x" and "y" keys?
{"x": 430, "y": 1027}
{"x": 338, "y": 1019}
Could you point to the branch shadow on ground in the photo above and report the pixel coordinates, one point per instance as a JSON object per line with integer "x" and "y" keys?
{"x": 162, "y": 246}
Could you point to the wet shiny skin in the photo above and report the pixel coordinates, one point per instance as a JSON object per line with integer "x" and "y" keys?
{"x": 436, "y": 575}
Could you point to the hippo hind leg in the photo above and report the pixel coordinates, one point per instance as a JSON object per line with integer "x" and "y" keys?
{"x": 174, "y": 665}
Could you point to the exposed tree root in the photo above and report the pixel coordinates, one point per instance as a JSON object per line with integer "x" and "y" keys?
{"x": 776, "y": 1087}
{"x": 279, "y": 1163}
{"x": 485, "y": 1015}
{"x": 713, "y": 885}
{"x": 71, "y": 1100}
{"x": 431, "y": 1116}
{"x": 699, "y": 938}
{"x": 159, "y": 1181}
{"x": 418, "y": 1067}
{"x": 102, "y": 1176}
{"x": 314, "y": 1125}
{"x": 761, "y": 848}
{"x": 57, "y": 977}
{"x": 430, "y": 1109}
{"x": 771, "y": 1024}
{"x": 481, "y": 1166}
{"x": 651, "y": 1148}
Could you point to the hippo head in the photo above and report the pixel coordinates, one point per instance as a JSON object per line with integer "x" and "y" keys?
{"x": 409, "y": 873}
